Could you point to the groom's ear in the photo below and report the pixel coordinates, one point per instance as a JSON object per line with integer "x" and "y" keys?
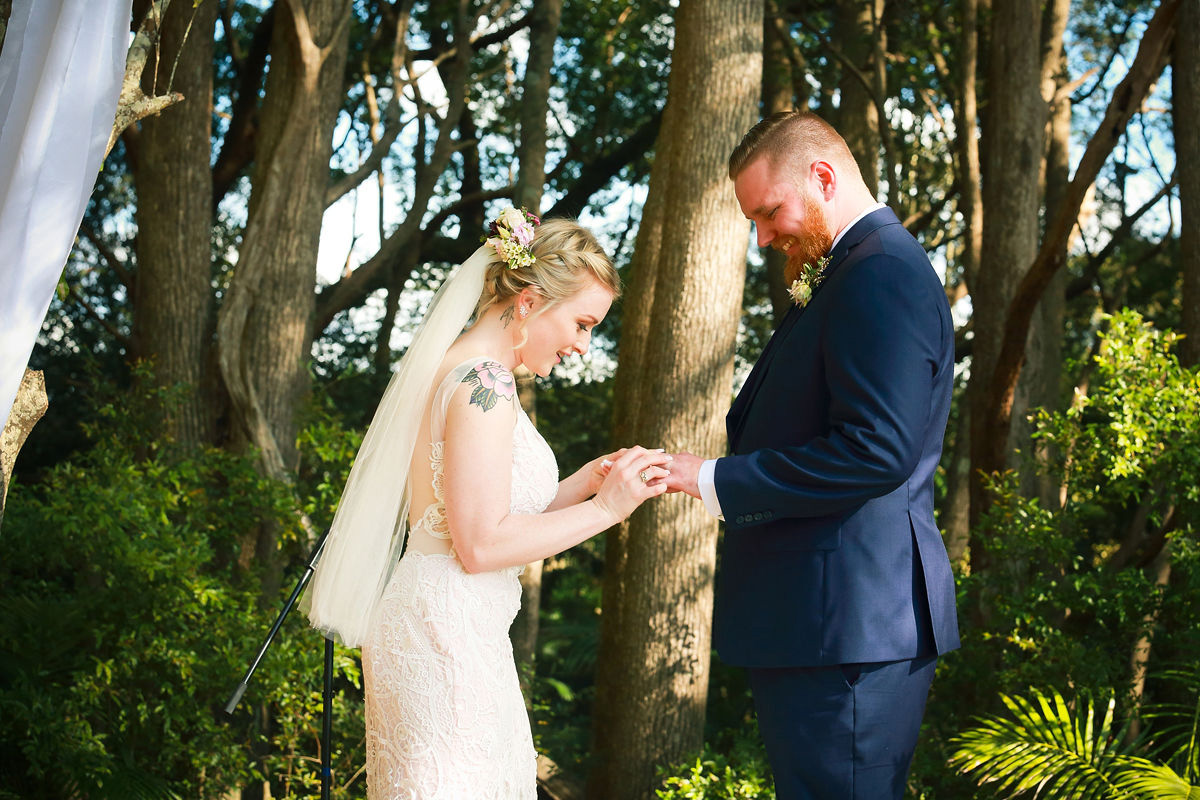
{"x": 823, "y": 180}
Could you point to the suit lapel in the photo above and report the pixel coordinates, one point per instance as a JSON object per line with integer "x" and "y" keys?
{"x": 736, "y": 413}
{"x": 736, "y": 418}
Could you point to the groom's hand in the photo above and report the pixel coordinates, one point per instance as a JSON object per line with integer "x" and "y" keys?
{"x": 685, "y": 470}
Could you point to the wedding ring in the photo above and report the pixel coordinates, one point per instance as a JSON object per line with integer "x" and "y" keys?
{"x": 645, "y": 476}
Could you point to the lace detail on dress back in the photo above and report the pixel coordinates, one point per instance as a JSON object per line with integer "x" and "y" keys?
{"x": 445, "y": 716}
{"x": 433, "y": 521}
{"x": 534, "y": 468}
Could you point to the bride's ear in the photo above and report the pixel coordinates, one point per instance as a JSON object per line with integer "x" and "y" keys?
{"x": 528, "y": 301}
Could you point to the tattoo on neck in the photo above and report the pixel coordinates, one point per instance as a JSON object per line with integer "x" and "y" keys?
{"x": 507, "y": 316}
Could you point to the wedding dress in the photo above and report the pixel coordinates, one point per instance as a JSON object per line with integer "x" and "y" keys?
{"x": 444, "y": 712}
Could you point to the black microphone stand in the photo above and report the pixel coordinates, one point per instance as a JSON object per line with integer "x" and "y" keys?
{"x": 327, "y": 704}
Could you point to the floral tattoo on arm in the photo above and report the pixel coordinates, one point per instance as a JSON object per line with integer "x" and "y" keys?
{"x": 492, "y": 382}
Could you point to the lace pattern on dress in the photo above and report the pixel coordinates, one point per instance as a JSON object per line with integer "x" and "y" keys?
{"x": 445, "y": 715}
{"x": 433, "y": 520}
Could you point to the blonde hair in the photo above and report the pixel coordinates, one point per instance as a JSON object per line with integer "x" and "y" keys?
{"x": 792, "y": 140}
{"x": 566, "y": 257}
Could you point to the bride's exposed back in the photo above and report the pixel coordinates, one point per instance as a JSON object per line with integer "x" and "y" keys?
{"x": 452, "y": 461}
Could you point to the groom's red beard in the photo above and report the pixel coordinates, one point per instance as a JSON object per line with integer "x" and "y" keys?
{"x": 812, "y": 243}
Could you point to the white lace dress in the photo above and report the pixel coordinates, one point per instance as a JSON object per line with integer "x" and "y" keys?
{"x": 444, "y": 713}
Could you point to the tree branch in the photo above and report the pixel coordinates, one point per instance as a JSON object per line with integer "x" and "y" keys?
{"x": 1088, "y": 279}
{"x": 122, "y": 337}
{"x": 596, "y": 173}
{"x": 133, "y": 103}
{"x": 1149, "y": 63}
{"x": 110, "y": 258}
{"x": 391, "y": 116}
{"x": 350, "y": 289}
{"x": 235, "y": 51}
{"x": 238, "y": 146}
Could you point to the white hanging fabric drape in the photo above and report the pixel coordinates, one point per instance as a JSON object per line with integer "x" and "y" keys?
{"x": 60, "y": 76}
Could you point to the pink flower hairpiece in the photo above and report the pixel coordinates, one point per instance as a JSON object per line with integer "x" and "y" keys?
{"x": 512, "y": 233}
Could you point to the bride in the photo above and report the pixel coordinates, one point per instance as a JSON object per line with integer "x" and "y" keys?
{"x": 452, "y": 459}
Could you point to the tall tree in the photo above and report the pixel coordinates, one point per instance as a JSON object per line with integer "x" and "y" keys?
{"x": 264, "y": 325}
{"x": 992, "y": 411}
{"x": 531, "y": 153}
{"x": 173, "y": 154}
{"x": 673, "y": 388}
{"x": 955, "y": 519}
{"x": 1040, "y": 382}
{"x": 779, "y": 93}
{"x": 1185, "y": 107}
{"x": 1013, "y": 130}
{"x": 858, "y": 27}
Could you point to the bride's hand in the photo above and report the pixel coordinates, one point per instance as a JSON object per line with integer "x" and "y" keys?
{"x": 635, "y": 475}
{"x": 598, "y": 468}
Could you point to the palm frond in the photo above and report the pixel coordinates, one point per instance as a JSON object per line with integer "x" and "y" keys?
{"x": 1177, "y": 726}
{"x": 1046, "y": 751}
{"x": 1150, "y": 781}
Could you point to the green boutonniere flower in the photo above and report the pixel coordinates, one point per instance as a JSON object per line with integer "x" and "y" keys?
{"x": 801, "y": 290}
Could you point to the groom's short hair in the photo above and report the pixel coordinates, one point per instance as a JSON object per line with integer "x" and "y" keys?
{"x": 791, "y": 140}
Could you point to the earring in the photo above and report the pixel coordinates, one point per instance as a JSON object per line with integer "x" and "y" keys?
{"x": 524, "y": 311}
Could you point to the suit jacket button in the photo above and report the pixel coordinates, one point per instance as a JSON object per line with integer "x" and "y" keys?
{"x": 758, "y": 516}
{"x": 768, "y": 514}
{"x": 740, "y": 519}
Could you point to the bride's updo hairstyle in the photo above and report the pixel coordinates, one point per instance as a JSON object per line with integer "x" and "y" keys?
{"x": 566, "y": 257}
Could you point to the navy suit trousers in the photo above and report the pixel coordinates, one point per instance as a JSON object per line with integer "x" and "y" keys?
{"x": 844, "y": 732}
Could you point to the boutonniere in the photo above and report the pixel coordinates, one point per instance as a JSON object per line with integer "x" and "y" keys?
{"x": 801, "y": 290}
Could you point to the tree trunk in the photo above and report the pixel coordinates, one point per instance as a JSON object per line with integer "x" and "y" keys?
{"x": 264, "y": 332}
{"x": 535, "y": 104}
{"x": 955, "y": 518}
{"x": 994, "y": 397}
{"x": 857, "y": 28}
{"x": 778, "y": 94}
{"x": 673, "y": 389}
{"x": 28, "y": 407}
{"x": 174, "y": 184}
{"x": 1041, "y": 380}
{"x": 1158, "y": 572}
{"x": 1013, "y": 130}
{"x": 1185, "y": 110}
{"x": 264, "y": 325}
{"x": 524, "y": 631}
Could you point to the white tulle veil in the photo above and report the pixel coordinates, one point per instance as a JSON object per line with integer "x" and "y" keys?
{"x": 368, "y": 531}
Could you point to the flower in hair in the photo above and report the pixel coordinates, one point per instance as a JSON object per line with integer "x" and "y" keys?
{"x": 512, "y": 233}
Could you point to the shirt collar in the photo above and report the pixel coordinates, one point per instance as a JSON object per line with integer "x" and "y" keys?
{"x": 868, "y": 210}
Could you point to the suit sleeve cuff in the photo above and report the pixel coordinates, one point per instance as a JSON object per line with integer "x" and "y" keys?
{"x": 708, "y": 488}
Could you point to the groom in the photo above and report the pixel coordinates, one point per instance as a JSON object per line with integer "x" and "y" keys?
{"x": 835, "y": 591}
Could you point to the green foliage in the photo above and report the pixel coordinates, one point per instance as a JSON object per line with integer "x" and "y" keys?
{"x": 1054, "y": 749}
{"x": 1065, "y": 583}
{"x": 1138, "y": 425}
{"x": 1046, "y": 747}
{"x": 736, "y": 772}
{"x": 1066, "y": 591}
{"x": 564, "y": 685}
{"x": 129, "y": 613}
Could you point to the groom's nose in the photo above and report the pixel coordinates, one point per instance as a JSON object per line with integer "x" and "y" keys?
{"x": 765, "y": 234}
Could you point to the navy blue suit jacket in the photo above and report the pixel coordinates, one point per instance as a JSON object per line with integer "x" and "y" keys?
{"x": 831, "y": 554}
